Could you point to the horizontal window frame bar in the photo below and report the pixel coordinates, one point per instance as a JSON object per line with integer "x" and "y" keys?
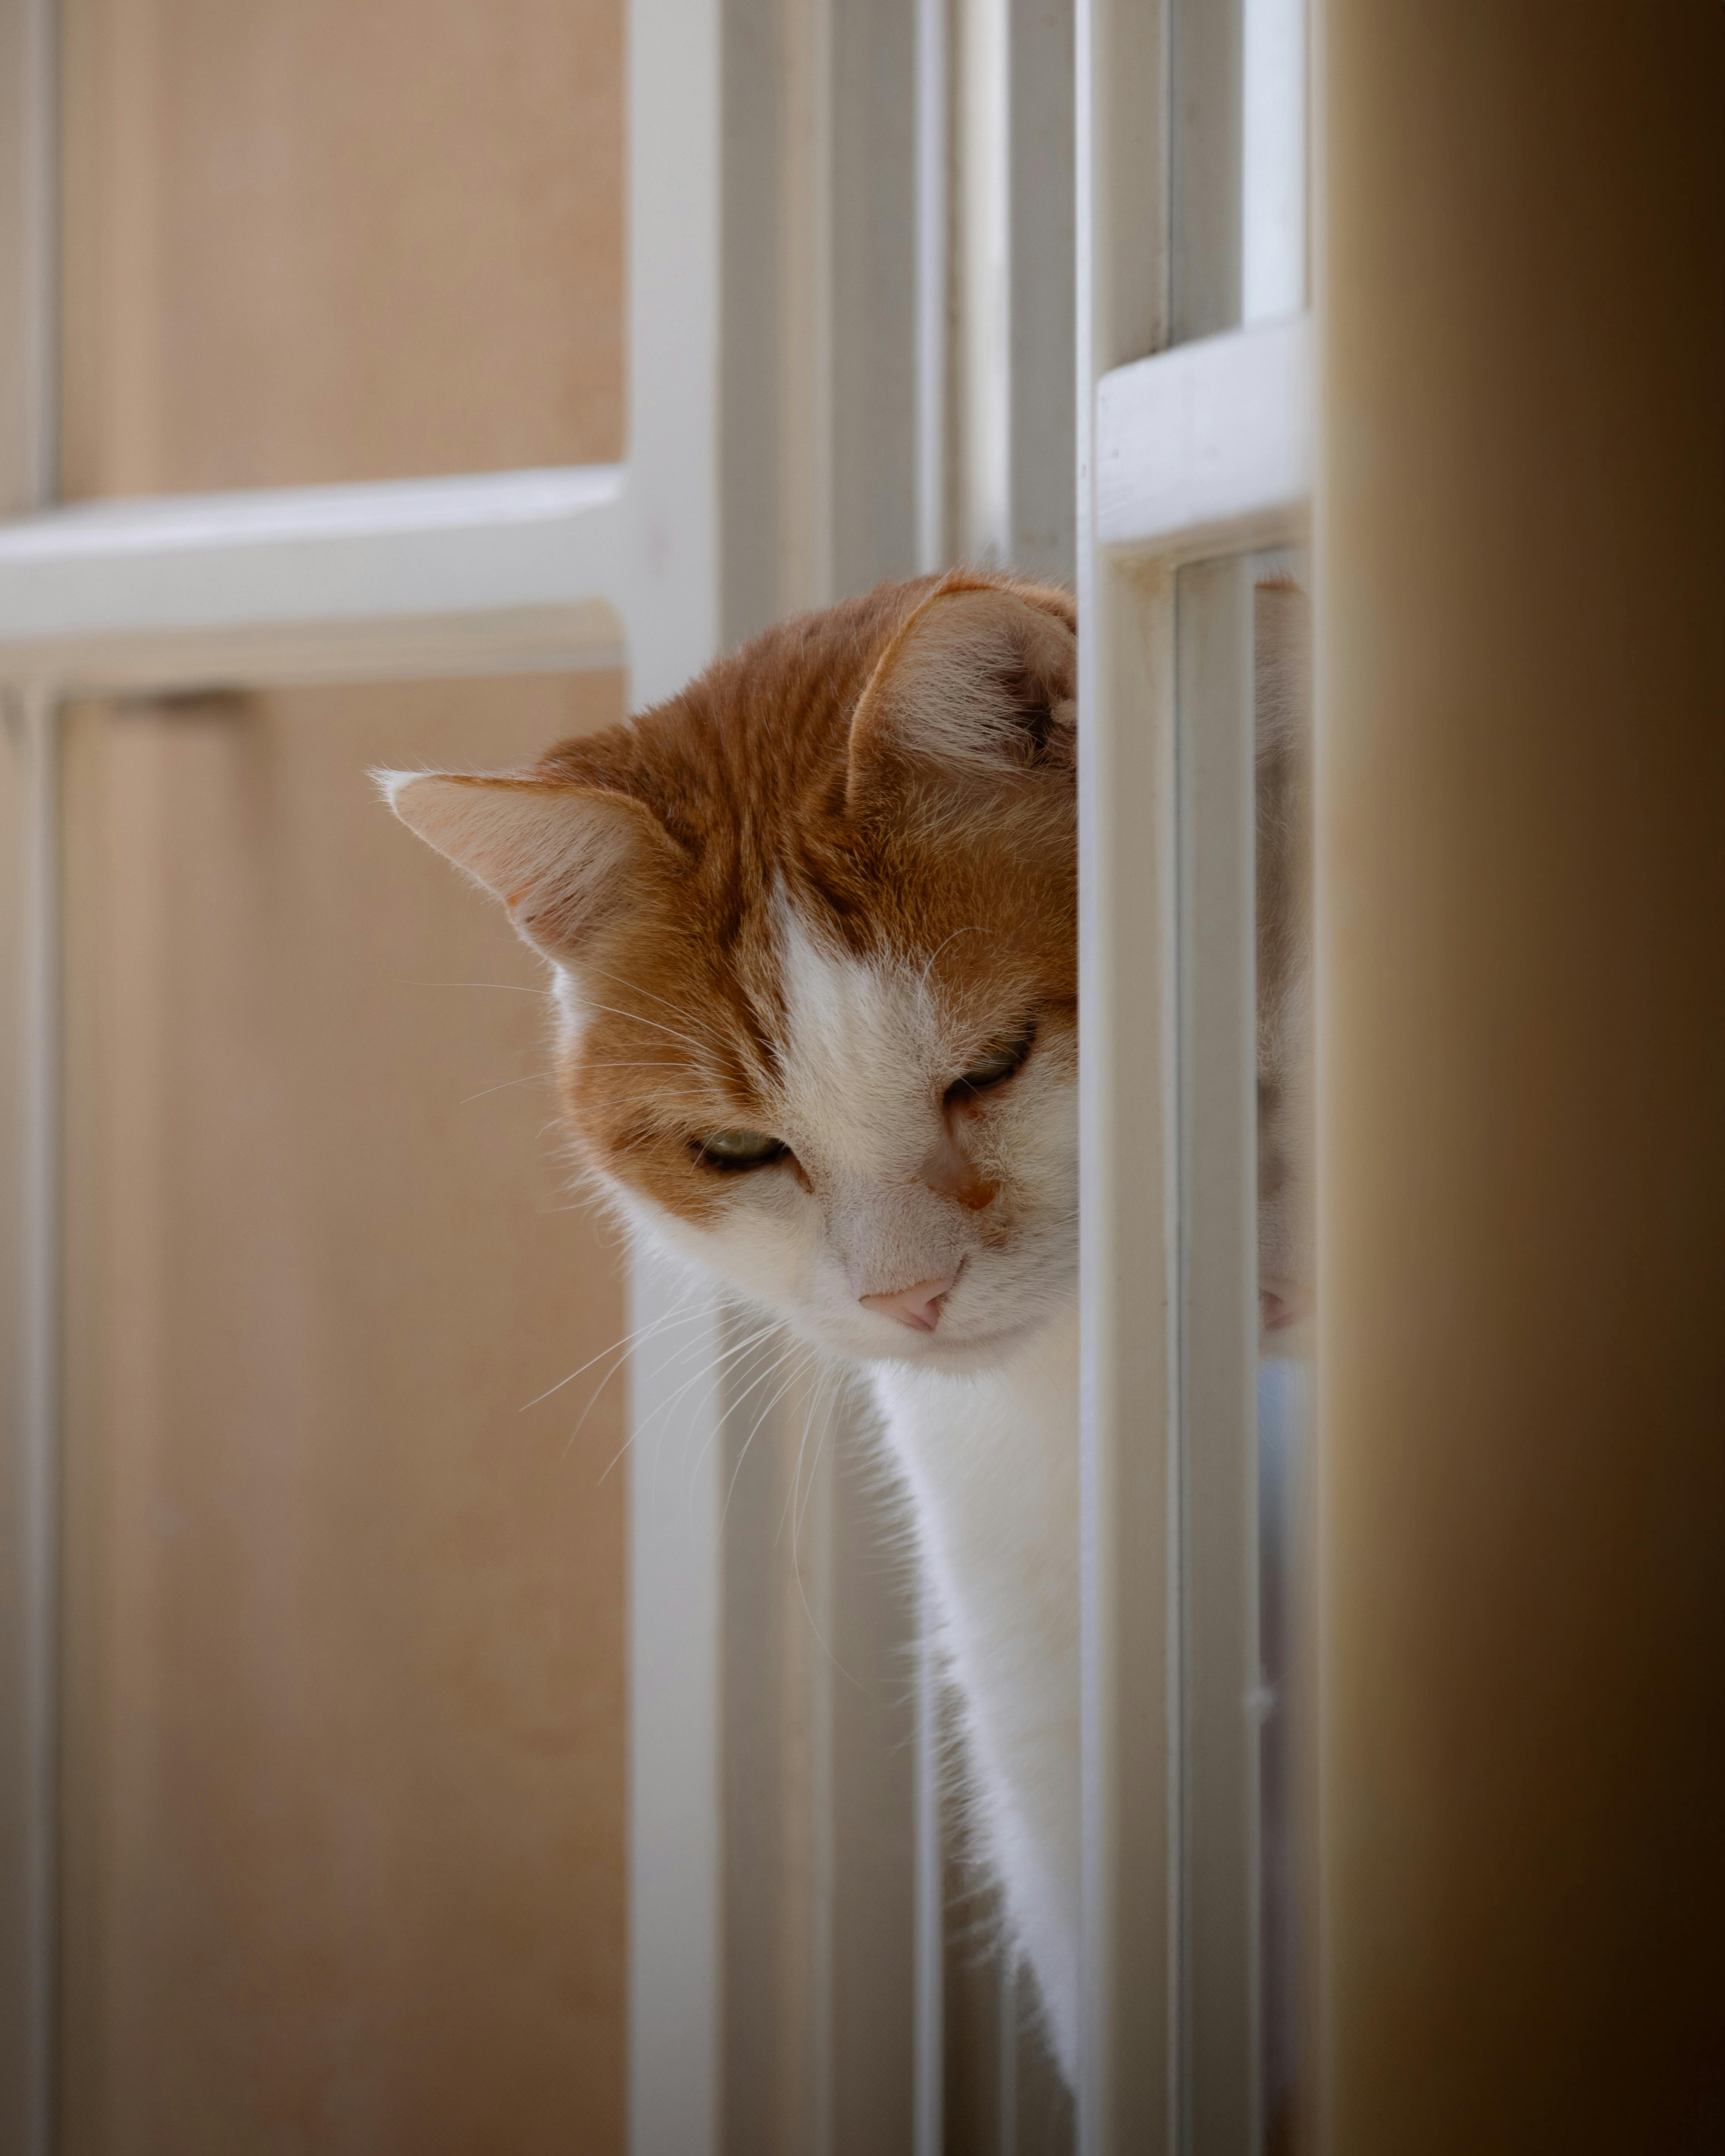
{"x": 176, "y": 523}
{"x": 499, "y": 572}
{"x": 1206, "y": 447}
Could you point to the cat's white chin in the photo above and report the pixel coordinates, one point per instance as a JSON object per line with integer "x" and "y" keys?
{"x": 956, "y": 1352}
{"x": 965, "y": 1342}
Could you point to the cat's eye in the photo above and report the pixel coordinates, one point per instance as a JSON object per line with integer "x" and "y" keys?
{"x": 1000, "y": 1060}
{"x": 734, "y": 1149}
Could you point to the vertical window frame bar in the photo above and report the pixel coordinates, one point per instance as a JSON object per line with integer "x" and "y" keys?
{"x": 1154, "y": 495}
{"x": 1128, "y": 971}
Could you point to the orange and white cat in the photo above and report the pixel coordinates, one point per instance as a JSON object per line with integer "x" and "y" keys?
{"x": 813, "y": 924}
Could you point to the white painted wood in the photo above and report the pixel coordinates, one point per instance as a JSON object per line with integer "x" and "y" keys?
{"x": 675, "y": 1909}
{"x": 1128, "y": 1191}
{"x": 189, "y": 527}
{"x": 1207, "y": 448}
{"x": 1128, "y": 1158}
{"x": 984, "y": 294}
{"x": 670, "y": 607}
{"x": 1188, "y": 453}
{"x": 249, "y": 570}
{"x": 668, "y": 592}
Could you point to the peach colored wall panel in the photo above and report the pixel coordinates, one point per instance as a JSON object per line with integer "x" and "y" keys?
{"x": 345, "y": 1729}
{"x": 309, "y": 240}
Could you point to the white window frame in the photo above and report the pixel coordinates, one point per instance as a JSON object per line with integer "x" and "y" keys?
{"x": 1186, "y": 451}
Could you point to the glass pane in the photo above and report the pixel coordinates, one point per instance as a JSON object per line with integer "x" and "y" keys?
{"x": 338, "y": 239}
{"x": 1237, "y": 164}
{"x": 1282, "y": 707}
{"x": 1220, "y": 1332}
{"x": 1243, "y": 751}
{"x": 344, "y": 1700}
{"x": 1204, "y": 168}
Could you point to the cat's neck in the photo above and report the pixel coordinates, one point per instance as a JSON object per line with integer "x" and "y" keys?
{"x": 991, "y": 1460}
{"x": 992, "y": 1455}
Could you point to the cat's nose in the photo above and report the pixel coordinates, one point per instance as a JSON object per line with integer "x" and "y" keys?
{"x": 1282, "y": 1303}
{"x": 919, "y": 1306}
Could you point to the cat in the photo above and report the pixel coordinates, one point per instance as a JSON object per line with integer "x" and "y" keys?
{"x": 813, "y": 924}
{"x": 813, "y": 928}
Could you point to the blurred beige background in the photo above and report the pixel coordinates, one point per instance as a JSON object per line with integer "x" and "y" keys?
{"x": 338, "y": 239}
{"x": 344, "y": 1723}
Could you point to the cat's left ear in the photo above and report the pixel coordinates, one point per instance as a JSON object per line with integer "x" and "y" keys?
{"x": 980, "y": 683}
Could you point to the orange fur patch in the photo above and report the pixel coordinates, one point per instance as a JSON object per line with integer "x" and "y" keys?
{"x": 754, "y": 772}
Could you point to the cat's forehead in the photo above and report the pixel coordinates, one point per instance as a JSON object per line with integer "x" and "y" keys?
{"x": 911, "y": 946}
{"x": 843, "y": 1009}
{"x": 868, "y": 925}
{"x": 793, "y": 992}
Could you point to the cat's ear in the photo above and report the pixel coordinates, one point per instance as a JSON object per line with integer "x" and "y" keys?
{"x": 565, "y": 859}
{"x": 980, "y": 682}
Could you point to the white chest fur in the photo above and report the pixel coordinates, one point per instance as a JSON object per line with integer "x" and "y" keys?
{"x": 992, "y": 1462}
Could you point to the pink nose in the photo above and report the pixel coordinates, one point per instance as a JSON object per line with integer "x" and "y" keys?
{"x": 919, "y": 1306}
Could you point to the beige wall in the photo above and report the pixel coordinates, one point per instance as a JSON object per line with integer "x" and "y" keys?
{"x": 345, "y": 1734}
{"x": 1521, "y": 687}
{"x": 339, "y": 239}
{"x": 346, "y": 1660}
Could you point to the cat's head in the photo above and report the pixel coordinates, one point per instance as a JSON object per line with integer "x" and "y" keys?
{"x": 813, "y": 925}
